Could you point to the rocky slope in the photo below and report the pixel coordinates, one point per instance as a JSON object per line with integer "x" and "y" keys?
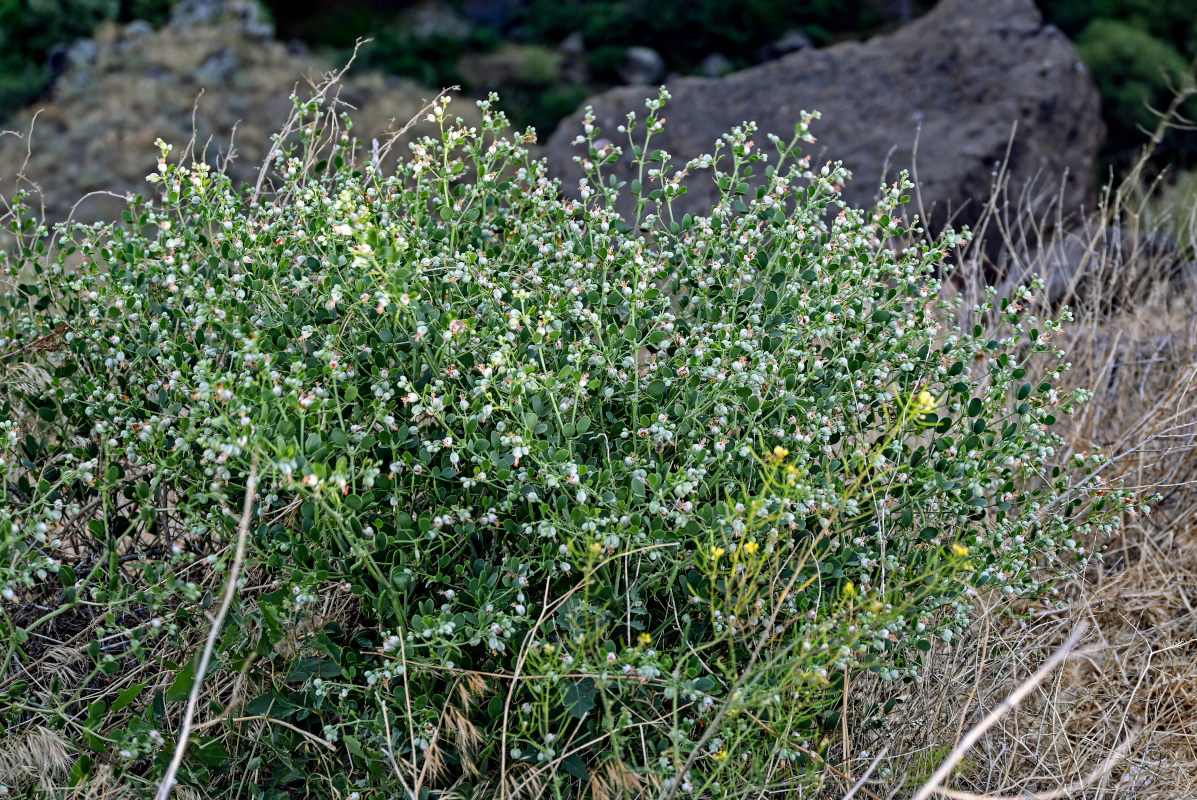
{"x": 961, "y": 80}
{"x": 130, "y": 85}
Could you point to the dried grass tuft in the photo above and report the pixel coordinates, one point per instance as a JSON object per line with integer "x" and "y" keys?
{"x": 615, "y": 781}
{"x": 1119, "y": 718}
{"x": 41, "y": 757}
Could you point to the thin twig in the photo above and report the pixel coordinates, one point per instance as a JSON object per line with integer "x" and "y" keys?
{"x": 1009, "y": 704}
{"x": 389, "y": 749}
{"x": 230, "y": 591}
{"x": 321, "y": 91}
{"x": 868, "y": 772}
{"x": 1064, "y": 791}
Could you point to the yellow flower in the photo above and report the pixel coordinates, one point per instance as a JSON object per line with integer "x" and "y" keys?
{"x": 645, "y": 639}
{"x": 722, "y": 754}
{"x": 959, "y": 549}
{"x": 549, "y": 649}
{"x": 924, "y": 402}
{"x": 849, "y": 590}
{"x": 751, "y": 547}
{"x": 717, "y": 552}
{"x": 780, "y": 452}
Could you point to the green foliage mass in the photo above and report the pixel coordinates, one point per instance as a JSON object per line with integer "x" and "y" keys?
{"x": 30, "y": 28}
{"x": 1172, "y": 22}
{"x": 1140, "y": 52}
{"x": 686, "y": 31}
{"x": 1137, "y": 49}
{"x": 1136, "y": 74}
{"x": 545, "y": 495}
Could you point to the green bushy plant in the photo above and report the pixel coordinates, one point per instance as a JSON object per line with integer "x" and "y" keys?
{"x": 549, "y": 501}
{"x": 1136, "y": 74}
{"x": 1173, "y": 22}
{"x": 1139, "y": 52}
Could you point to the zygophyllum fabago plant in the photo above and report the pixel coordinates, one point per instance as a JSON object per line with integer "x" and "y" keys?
{"x": 551, "y": 502}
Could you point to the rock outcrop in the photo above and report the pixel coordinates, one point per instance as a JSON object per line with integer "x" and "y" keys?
{"x": 130, "y": 85}
{"x": 958, "y": 80}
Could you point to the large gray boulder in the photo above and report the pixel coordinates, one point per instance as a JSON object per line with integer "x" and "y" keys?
{"x": 957, "y": 81}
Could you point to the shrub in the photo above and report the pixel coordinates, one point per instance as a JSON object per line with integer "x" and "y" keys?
{"x": 1174, "y": 22}
{"x": 1139, "y": 53}
{"x": 547, "y": 500}
{"x": 1136, "y": 73}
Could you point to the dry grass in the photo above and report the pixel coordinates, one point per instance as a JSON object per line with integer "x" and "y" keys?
{"x": 1119, "y": 718}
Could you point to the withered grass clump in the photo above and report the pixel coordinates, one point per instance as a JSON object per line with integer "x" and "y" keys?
{"x": 1119, "y": 718}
